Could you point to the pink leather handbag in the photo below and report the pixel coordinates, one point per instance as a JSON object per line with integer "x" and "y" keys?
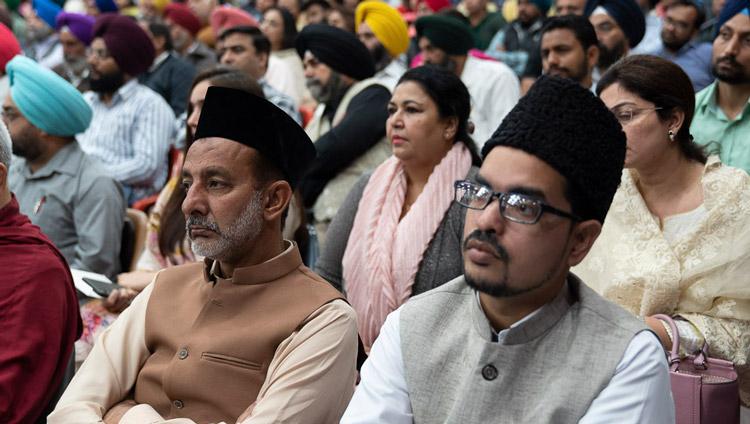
{"x": 705, "y": 390}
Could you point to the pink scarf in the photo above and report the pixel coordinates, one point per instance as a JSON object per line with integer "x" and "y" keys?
{"x": 383, "y": 255}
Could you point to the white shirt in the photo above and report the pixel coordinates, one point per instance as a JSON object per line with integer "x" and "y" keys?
{"x": 639, "y": 391}
{"x": 494, "y": 90}
{"x": 281, "y": 77}
{"x": 390, "y": 75}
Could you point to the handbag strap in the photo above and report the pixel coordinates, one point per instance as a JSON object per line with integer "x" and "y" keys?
{"x": 674, "y": 354}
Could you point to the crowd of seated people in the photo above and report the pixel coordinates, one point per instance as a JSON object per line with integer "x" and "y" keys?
{"x": 370, "y": 211}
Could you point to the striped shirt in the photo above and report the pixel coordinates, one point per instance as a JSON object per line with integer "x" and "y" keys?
{"x": 131, "y": 137}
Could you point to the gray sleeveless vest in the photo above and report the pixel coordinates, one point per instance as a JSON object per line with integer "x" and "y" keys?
{"x": 548, "y": 369}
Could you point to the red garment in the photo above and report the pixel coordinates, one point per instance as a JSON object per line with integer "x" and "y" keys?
{"x": 39, "y": 317}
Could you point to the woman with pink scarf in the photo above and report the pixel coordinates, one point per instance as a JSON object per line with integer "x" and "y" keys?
{"x": 398, "y": 233}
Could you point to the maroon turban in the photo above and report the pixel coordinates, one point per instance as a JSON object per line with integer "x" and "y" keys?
{"x": 181, "y": 15}
{"x": 128, "y": 44}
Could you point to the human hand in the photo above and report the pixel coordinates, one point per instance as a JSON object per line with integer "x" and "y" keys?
{"x": 136, "y": 280}
{"x": 119, "y": 299}
{"x": 655, "y": 324}
{"x": 116, "y": 412}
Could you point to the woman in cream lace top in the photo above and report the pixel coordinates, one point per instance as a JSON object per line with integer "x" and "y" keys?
{"x": 677, "y": 237}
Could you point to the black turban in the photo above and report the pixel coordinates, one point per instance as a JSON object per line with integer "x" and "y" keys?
{"x": 340, "y": 50}
{"x": 446, "y": 33}
{"x": 569, "y": 128}
{"x": 255, "y": 122}
{"x": 628, "y": 15}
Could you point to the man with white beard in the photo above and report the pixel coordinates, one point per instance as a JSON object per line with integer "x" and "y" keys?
{"x": 42, "y": 43}
{"x": 250, "y": 335}
{"x": 75, "y": 36}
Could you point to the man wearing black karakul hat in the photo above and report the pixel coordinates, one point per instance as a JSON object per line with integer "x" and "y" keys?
{"x": 445, "y": 41}
{"x": 348, "y": 127}
{"x": 249, "y": 335}
{"x": 518, "y": 338}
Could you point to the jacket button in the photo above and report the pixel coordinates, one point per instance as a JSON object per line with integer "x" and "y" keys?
{"x": 178, "y": 404}
{"x": 183, "y": 354}
{"x": 489, "y": 372}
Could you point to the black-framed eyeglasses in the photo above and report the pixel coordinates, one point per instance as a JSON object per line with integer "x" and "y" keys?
{"x": 513, "y": 206}
{"x": 625, "y": 113}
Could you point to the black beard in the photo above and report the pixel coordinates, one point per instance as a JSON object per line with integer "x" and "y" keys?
{"x": 733, "y": 78}
{"x": 381, "y": 56}
{"x": 500, "y": 287}
{"x": 27, "y": 145}
{"x": 674, "y": 46}
{"x": 608, "y": 57}
{"x": 107, "y": 83}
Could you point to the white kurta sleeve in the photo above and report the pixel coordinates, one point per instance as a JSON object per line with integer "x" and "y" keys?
{"x": 110, "y": 371}
{"x": 382, "y": 395}
{"x": 639, "y": 392}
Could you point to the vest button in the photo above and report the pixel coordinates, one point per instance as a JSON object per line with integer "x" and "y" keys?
{"x": 489, "y": 372}
{"x": 183, "y": 354}
{"x": 178, "y": 404}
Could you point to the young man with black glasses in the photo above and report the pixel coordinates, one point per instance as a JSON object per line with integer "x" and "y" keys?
{"x": 518, "y": 338}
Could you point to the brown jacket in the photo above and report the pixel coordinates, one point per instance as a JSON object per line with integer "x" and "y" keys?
{"x": 212, "y": 342}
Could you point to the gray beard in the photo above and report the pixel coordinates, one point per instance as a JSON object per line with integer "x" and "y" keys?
{"x": 324, "y": 93}
{"x": 246, "y": 227}
{"x": 77, "y": 66}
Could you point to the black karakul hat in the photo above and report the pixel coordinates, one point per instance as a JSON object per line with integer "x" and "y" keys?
{"x": 566, "y": 126}
{"x": 340, "y": 50}
{"x": 255, "y": 122}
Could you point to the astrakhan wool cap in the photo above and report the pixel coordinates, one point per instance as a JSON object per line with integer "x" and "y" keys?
{"x": 569, "y": 128}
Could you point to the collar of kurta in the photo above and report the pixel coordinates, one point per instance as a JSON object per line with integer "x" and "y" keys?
{"x": 268, "y": 271}
{"x": 537, "y": 323}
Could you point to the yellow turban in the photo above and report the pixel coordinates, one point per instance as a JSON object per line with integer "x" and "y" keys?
{"x": 387, "y": 24}
{"x": 160, "y": 5}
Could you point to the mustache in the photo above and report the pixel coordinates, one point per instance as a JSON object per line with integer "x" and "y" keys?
{"x": 485, "y": 237}
{"x": 729, "y": 58}
{"x": 201, "y": 222}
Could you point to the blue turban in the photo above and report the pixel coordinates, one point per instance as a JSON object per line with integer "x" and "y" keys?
{"x": 48, "y": 101}
{"x": 105, "y": 6}
{"x": 731, "y": 8}
{"x": 543, "y": 5}
{"x": 46, "y": 10}
{"x": 628, "y": 15}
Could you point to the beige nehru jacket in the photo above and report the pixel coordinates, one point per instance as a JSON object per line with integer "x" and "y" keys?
{"x": 309, "y": 378}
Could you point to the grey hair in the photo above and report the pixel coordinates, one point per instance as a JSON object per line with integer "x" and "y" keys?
{"x": 5, "y": 145}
